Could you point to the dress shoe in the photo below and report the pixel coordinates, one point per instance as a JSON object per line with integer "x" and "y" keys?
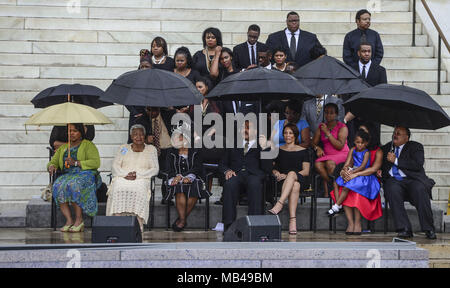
{"x": 430, "y": 234}
{"x": 164, "y": 202}
{"x": 405, "y": 234}
{"x": 219, "y": 202}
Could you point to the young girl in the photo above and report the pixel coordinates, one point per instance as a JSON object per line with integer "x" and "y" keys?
{"x": 357, "y": 160}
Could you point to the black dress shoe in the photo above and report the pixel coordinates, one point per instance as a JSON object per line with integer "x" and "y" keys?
{"x": 430, "y": 234}
{"x": 405, "y": 234}
{"x": 219, "y": 202}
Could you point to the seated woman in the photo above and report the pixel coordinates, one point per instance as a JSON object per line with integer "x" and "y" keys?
{"x": 133, "y": 166}
{"x": 333, "y": 135}
{"x": 292, "y": 112}
{"x": 355, "y": 204}
{"x": 291, "y": 167}
{"x": 80, "y": 179}
{"x": 185, "y": 169}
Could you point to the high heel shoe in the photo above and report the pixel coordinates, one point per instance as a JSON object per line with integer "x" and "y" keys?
{"x": 76, "y": 229}
{"x": 292, "y": 231}
{"x": 276, "y": 213}
{"x": 65, "y": 228}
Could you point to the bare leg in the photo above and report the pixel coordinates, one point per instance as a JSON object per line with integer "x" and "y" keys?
{"x": 349, "y": 215}
{"x": 65, "y": 210}
{"x": 357, "y": 228}
{"x": 286, "y": 191}
{"x": 293, "y": 203}
{"x": 78, "y": 215}
{"x": 342, "y": 197}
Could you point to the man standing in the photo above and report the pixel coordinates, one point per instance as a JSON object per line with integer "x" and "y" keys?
{"x": 373, "y": 74}
{"x": 404, "y": 179}
{"x": 245, "y": 55}
{"x": 362, "y": 34}
{"x": 296, "y": 42}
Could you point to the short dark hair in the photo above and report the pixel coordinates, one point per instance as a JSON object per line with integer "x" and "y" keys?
{"x": 80, "y": 128}
{"x": 254, "y": 27}
{"x": 279, "y": 49}
{"x": 292, "y": 13}
{"x": 361, "y": 12}
{"x": 317, "y": 50}
{"x": 184, "y": 51}
{"x": 216, "y": 32}
{"x": 364, "y": 44}
{"x": 160, "y": 42}
{"x": 332, "y": 105}
{"x": 408, "y": 132}
{"x": 294, "y": 105}
{"x": 363, "y": 135}
{"x": 205, "y": 81}
{"x": 374, "y": 135}
{"x": 294, "y": 129}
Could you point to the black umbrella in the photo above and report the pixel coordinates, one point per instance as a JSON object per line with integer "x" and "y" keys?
{"x": 152, "y": 87}
{"x": 327, "y": 75}
{"x": 82, "y": 94}
{"x": 259, "y": 83}
{"x": 398, "y": 105}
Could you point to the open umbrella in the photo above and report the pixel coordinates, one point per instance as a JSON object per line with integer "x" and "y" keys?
{"x": 83, "y": 94}
{"x": 152, "y": 87}
{"x": 328, "y": 75}
{"x": 260, "y": 83}
{"x": 398, "y": 105}
{"x": 66, "y": 113}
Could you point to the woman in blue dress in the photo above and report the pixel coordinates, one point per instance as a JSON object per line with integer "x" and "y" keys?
{"x": 292, "y": 112}
{"x": 358, "y": 159}
{"x": 79, "y": 182}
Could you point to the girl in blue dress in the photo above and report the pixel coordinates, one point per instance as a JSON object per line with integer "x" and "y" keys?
{"x": 358, "y": 159}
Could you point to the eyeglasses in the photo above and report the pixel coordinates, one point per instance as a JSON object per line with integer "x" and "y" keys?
{"x": 293, "y": 21}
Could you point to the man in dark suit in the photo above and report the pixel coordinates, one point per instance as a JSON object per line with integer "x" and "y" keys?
{"x": 404, "y": 179}
{"x": 359, "y": 35}
{"x": 373, "y": 74}
{"x": 296, "y": 42}
{"x": 243, "y": 168}
{"x": 245, "y": 55}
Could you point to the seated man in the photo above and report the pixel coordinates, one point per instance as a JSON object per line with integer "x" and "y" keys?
{"x": 404, "y": 179}
{"x": 243, "y": 168}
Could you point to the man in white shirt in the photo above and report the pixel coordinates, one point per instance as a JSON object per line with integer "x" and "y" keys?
{"x": 245, "y": 55}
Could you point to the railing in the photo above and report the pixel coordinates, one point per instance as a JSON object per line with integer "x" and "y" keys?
{"x": 441, "y": 37}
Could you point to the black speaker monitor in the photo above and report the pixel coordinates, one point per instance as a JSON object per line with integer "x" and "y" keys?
{"x": 116, "y": 229}
{"x": 254, "y": 228}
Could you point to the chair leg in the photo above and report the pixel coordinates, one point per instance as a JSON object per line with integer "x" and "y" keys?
{"x": 207, "y": 213}
{"x": 386, "y": 217}
{"x": 53, "y": 215}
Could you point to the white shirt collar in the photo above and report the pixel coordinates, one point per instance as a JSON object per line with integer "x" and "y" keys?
{"x": 289, "y": 33}
{"x": 268, "y": 66}
{"x": 367, "y": 66}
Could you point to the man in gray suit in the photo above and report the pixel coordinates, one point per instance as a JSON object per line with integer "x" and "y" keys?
{"x": 312, "y": 110}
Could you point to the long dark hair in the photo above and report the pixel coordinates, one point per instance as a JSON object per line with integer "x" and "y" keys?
{"x": 374, "y": 137}
{"x": 216, "y": 32}
{"x": 294, "y": 129}
{"x": 80, "y": 128}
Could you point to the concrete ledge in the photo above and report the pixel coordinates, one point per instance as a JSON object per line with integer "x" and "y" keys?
{"x": 39, "y": 211}
{"x": 222, "y": 255}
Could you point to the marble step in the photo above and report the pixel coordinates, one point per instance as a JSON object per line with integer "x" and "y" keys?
{"x": 348, "y": 5}
{"x": 16, "y": 219}
{"x": 8, "y": 207}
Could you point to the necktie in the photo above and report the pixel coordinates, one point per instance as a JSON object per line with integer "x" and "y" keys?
{"x": 395, "y": 168}
{"x": 156, "y": 134}
{"x": 318, "y": 107}
{"x": 363, "y": 74}
{"x": 253, "y": 55}
{"x": 363, "y": 36}
{"x": 293, "y": 46}
{"x": 245, "y": 147}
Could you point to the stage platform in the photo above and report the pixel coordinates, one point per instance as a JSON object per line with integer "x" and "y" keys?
{"x": 200, "y": 249}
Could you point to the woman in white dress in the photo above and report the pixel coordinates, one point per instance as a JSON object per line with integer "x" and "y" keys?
{"x": 133, "y": 166}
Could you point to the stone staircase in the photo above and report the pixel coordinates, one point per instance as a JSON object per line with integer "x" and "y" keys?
{"x": 45, "y": 43}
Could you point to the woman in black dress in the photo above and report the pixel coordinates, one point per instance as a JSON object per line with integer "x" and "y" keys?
{"x": 222, "y": 64}
{"x": 291, "y": 168}
{"x": 159, "y": 55}
{"x": 185, "y": 171}
{"x": 202, "y": 59}
{"x": 183, "y": 65}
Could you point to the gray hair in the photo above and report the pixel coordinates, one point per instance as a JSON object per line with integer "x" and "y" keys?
{"x": 137, "y": 126}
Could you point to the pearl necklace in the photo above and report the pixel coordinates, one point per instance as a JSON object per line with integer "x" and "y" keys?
{"x": 158, "y": 61}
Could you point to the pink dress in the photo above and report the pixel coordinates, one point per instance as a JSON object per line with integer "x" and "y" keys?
{"x": 338, "y": 156}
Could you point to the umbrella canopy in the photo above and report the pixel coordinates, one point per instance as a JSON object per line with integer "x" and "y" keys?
{"x": 259, "y": 83}
{"x": 152, "y": 87}
{"x": 83, "y": 94}
{"x": 328, "y": 75}
{"x": 66, "y": 113}
{"x": 398, "y": 105}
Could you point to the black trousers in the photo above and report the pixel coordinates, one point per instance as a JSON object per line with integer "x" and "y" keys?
{"x": 413, "y": 191}
{"x": 253, "y": 188}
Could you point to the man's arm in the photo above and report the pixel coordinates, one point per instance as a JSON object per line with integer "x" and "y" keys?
{"x": 414, "y": 159}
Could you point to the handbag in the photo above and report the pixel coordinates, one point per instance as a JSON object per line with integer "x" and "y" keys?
{"x": 47, "y": 193}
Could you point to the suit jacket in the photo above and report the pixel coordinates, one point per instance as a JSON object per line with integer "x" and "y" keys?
{"x": 351, "y": 46}
{"x": 306, "y": 41}
{"x": 310, "y": 115}
{"x": 145, "y": 120}
{"x": 193, "y": 164}
{"x": 376, "y": 74}
{"x": 241, "y": 57}
{"x": 411, "y": 162}
{"x": 235, "y": 160}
